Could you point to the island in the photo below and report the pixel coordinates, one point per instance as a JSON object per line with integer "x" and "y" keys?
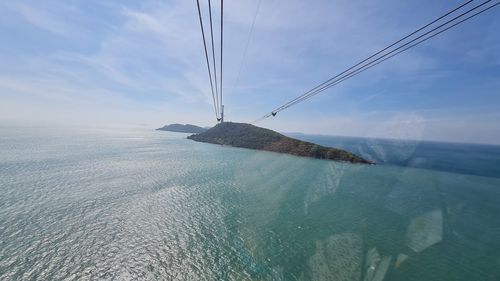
{"x": 180, "y": 128}
{"x": 253, "y": 137}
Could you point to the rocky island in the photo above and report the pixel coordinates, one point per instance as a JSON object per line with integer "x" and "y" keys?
{"x": 180, "y": 128}
{"x": 253, "y": 137}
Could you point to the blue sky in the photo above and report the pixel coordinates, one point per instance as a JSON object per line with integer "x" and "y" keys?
{"x": 141, "y": 63}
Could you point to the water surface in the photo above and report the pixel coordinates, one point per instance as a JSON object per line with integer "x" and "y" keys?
{"x": 88, "y": 204}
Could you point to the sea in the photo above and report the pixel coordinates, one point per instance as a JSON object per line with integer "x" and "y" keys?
{"x": 140, "y": 204}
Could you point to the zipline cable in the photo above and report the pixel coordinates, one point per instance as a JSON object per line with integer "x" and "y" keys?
{"x": 392, "y": 54}
{"x": 221, "y": 46}
{"x": 213, "y": 56}
{"x": 384, "y": 49}
{"x": 329, "y": 83}
{"x": 235, "y": 84}
{"x": 206, "y": 56}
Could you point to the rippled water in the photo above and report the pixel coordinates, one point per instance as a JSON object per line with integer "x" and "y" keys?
{"x": 93, "y": 204}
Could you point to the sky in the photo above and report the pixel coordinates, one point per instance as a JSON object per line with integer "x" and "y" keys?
{"x": 141, "y": 63}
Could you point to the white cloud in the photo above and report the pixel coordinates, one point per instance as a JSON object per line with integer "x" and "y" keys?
{"x": 42, "y": 19}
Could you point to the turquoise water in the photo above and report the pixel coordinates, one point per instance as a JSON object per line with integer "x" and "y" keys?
{"x": 92, "y": 204}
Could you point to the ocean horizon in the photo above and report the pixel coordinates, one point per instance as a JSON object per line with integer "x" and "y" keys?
{"x": 461, "y": 157}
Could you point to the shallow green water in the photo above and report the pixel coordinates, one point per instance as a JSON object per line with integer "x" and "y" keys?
{"x": 145, "y": 205}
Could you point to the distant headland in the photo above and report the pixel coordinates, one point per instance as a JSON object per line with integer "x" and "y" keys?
{"x": 253, "y": 137}
{"x": 181, "y": 128}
